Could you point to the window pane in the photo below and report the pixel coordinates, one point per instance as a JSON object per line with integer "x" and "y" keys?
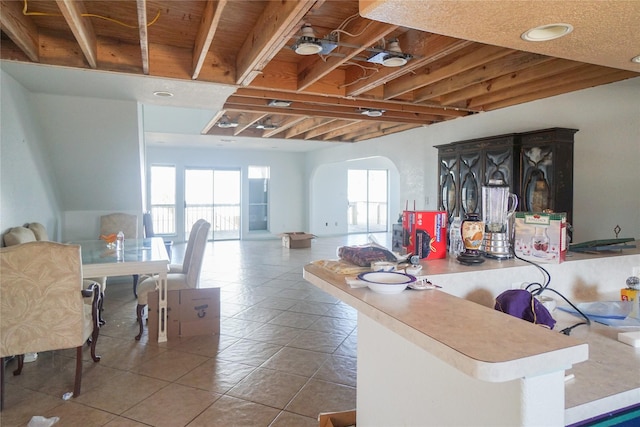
{"x": 163, "y": 199}
{"x": 258, "y": 197}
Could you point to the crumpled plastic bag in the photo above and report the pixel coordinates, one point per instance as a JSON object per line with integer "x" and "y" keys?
{"x": 40, "y": 421}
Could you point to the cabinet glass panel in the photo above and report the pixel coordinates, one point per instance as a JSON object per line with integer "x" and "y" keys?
{"x": 469, "y": 194}
{"x": 498, "y": 166}
{"x": 537, "y": 192}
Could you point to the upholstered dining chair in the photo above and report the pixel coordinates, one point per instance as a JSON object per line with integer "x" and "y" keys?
{"x": 42, "y": 304}
{"x": 183, "y": 276}
{"x": 112, "y": 224}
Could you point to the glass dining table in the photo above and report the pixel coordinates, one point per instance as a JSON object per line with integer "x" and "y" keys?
{"x": 140, "y": 256}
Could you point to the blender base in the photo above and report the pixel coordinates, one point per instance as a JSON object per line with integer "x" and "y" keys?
{"x": 497, "y": 246}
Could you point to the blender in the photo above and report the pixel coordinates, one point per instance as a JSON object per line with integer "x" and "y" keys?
{"x": 497, "y": 214}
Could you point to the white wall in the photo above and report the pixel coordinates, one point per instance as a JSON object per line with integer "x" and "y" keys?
{"x": 328, "y": 198}
{"x": 606, "y": 153}
{"x": 287, "y": 200}
{"x": 28, "y": 189}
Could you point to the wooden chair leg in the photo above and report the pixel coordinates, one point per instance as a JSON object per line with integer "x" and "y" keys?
{"x": 139, "y": 311}
{"x": 135, "y": 285}
{"x": 1, "y": 383}
{"x": 20, "y": 358}
{"x": 101, "y": 309}
{"x": 78, "y": 381}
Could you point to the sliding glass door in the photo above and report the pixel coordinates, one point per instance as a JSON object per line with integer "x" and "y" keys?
{"x": 213, "y": 194}
{"x": 368, "y": 200}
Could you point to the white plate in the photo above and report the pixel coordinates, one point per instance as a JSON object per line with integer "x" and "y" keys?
{"x": 386, "y": 282}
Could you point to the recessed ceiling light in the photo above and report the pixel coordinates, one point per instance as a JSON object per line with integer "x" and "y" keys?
{"x": 636, "y": 59}
{"x": 279, "y": 103}
{"x": 163, "y": 94}
{"x": 308, "y": 44}
{"x": 396, "y": 58}
{"x": 371, "y": 112}
{"x": 546, "y": 32}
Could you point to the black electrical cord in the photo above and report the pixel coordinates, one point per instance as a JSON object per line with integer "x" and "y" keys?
{"x": 545, "y": 287}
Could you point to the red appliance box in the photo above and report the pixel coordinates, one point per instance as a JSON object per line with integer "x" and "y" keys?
{"x": 424, "y": 233}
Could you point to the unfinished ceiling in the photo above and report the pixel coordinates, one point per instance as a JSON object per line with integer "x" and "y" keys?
{"x": 460, "y": 57}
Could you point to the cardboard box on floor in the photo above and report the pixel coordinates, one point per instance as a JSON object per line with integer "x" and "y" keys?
{"x": 337, "y": 419}
{"x": 189, "y": 312}
{"x": 297, "y": 240}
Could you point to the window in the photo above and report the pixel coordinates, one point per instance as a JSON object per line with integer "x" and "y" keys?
{"x": 163, "y": 199}
{"x": 258, "y": 198}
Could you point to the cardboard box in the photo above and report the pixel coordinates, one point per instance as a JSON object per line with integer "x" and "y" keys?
{"x": 541, "y": 237}
{"x": 189, "y": 312}
{"x": 628, "y": 294}
{"x": 297, "y": 240}
{"x": 424, "y": 233}
{"x": 337, "y": 419}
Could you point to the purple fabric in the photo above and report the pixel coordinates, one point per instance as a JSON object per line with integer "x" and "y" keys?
{"x": 520, "y": 303}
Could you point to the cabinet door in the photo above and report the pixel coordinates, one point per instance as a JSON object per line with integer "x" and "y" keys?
{"x": 537, "y": 178}
{"x": 470, "y": 182}
{"x": 449, "y": 170}
{"x": 498, "y": 164}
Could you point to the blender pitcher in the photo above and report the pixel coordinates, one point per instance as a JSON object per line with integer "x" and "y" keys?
{"x": 498, "y": 206}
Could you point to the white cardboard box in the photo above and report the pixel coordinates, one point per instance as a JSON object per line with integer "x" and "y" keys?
{"x": 541, "y": 237}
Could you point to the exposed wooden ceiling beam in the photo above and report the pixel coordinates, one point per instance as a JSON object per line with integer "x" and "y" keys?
{"x": 207, "y": 29}
{"x": 143, "y": 34}
{"x": 278, "y": 22}
{"x": 509, "y": 64}
{"x": 426, "y": 47}
{"x": 338, "y": 132}
{"x": 308, "y": 99}
{"x": 544, "y": 70}
{"x": 590, "y": 75}
{"x": 306, "y": 126}
{"x": 384, "y": 130}
{"x": 465, "y": 59}
{"x": 20, "y": 29}
{"x": 246, "y": 120}
{"x": 284, "y": 125}
{"x": 366, "y": 33}
{"x": 326, "y": 128}
{"x": 81, "y": 29}
{"x": 212, "y": 123}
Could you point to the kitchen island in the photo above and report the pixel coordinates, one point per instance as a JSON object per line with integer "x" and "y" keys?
{"x": 445, "y": 357}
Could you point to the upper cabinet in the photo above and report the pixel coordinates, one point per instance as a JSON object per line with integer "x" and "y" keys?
{"x": 537, "y": 166}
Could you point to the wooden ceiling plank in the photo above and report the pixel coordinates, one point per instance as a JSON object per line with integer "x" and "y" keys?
{"x": 571, "y": 71}
{"x": 20, "y": 29}
{"x": 555, "y": 66}
{"x": 614, "y": 75}
{"x": 475, "y": 57}
{"x": 208, "y": 26}
{"x": 337, "y": 133}
{"x": 284, "y": 125}
{"x": 144, "y": 35}
{"x": 366, "y": 33}
{"x": 326, "y": 128}
{"x": 426, "y": 47}
{"x": 278, "y": 22}
{"x": 509, "y": 64}
{"x": 81, "y": 29}
{"x": 305, "y": 126}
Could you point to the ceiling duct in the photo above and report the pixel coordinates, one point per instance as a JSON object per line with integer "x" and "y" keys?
{"x": 225, "y": 123}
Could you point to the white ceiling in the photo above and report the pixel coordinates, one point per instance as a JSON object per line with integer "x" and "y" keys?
{"x": 169, "y": 121}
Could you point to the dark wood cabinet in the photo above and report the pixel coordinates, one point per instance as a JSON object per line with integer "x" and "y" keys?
{"x": 537, "y": 166}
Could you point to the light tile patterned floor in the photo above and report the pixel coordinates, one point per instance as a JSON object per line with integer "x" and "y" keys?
{"x": 286, "y": 352}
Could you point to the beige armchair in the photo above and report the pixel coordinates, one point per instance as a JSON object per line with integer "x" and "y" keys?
{"x": 179, "y": 277}
{"x": 42, "y": 306}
